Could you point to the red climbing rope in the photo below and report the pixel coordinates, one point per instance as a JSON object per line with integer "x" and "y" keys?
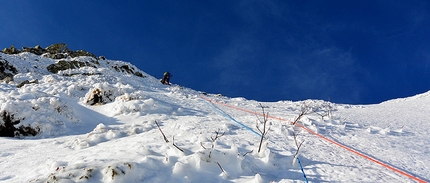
{"x": 326, "y": 139}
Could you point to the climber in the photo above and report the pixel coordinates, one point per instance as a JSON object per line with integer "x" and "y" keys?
{"x": 166, "y": 78}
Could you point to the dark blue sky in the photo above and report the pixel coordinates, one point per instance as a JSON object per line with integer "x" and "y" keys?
{"x": 356, "y": 52}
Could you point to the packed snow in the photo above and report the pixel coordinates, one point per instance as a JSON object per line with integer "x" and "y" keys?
{"x": 145, "y": 131}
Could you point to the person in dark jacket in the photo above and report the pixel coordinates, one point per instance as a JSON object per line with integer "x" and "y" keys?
{"x": 166, "y": 78}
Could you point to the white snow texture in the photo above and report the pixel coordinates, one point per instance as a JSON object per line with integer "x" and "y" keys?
{"x": 210, "y": 136}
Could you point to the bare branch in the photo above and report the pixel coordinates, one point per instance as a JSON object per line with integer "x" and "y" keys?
{"x": 164, "y": 136}
{"x": 305, "y": 109}
{"x": 324, "y": 110}
{"x": 265, "y": 129}
{"x": 322, "y": 115}
{"x": 218, "y": 135}
{"x": 247, "y": 153}
{"x": 297, "y": 145}
{"x": 222, "y": 169}
{"x": 201, "y": 143}
{"x": 173, "y": 142}
{"x": 258, "y": 128}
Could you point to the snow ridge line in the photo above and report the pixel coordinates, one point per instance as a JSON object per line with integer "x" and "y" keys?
{"x": 328, "y": 140}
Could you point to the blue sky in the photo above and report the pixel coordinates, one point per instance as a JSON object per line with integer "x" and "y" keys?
{"x": 355, "y": 52}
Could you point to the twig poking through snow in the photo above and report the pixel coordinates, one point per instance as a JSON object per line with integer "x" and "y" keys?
{"x": 222, "y": 169}
{"x": 265, "y": 130}
{"x": 165, "y": 138}
{"x": 218, "y": 135}
{"x": 247, "y": 153}
{"x": 297, "y": 145}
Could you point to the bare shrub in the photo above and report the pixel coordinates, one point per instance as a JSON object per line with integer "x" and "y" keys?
{"x": 324, "y": 110}
{"x": 305, "y": 109}
{"x": 165, "y": 138}
{"x": 218, "y": 134}
{"x": 298, "y": 145}
{"x": 265, "y": 128}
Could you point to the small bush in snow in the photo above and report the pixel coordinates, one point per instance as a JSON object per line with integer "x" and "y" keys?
{"x": 265, "y": 128}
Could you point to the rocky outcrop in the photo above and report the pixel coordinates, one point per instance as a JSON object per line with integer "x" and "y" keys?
{"x": 11, "y": 50}
{"x": 37, "y": 50}
{"x": 27, "y": 82}
{"x": 5, "y": 66}
{"x": 7, "y": 79}
{"x": 64, "y": 65}
{"x": 5, "y": 76}
{"x": 63, "y": 54}
{"x": 127, "y": 69}
{"x": 80, "y": 53}
{"x": 57, "y": 48}
{"x": 95, "y": 98}
{"x": 9, "y": 126}
{"x": 54, "y": 51}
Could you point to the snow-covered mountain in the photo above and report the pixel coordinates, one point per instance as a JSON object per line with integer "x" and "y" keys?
{"x": 101, "y": 120}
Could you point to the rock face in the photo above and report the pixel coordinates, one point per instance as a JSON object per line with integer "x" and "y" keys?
{"x": 60, "y": 51}
{"x": 95, "y": 97}
{"x": 31, "y": 70}
{"x": 127, "y": 69}
{"x": 54, "y": 51}
{"x": 4, "y": 66}
{"x": 10, "y": 50}
{"x": 8, "y": 126}
{"x": 6, "y": 76}
{"x": 27, "y": 82}
{"x": 36, "y": 50}
{"x": 64, "y": 65}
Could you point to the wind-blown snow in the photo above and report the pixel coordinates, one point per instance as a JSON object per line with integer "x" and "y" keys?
{"x": 120, "y": 141}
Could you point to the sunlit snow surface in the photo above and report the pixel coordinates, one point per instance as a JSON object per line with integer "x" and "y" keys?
{"x": 120, "y": 141}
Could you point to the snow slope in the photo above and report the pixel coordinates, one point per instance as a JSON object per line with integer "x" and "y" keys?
{"x": 211, "y": 138}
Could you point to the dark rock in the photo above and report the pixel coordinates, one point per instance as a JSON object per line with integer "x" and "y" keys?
{"x": 79, "y": 53}
{"x": 4, "y": 65}
{"x": 139, "y": 74}
{"x": 7, "y": 79}
{"x": 36, "y": 50}
{"x": 127, "y": 69}
{"x": 56, "y": 48}
{"x": 55, "y": 55}
{"x": 11, "y": 50}
{"x": 4, "y": 75}
{"x": 27, "y": 82}
{"x": 96, "y": 97}
{"x": 54, "y": 51}
{"x": 64, "y": 65}
{"x": 8, "y": 129}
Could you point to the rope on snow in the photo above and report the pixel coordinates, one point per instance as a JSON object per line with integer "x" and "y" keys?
{"x": 412, "y": 177}
{"x": 207, "y": 101}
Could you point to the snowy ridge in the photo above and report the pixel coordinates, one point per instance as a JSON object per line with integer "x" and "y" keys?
{"x": 119, "y": 141}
